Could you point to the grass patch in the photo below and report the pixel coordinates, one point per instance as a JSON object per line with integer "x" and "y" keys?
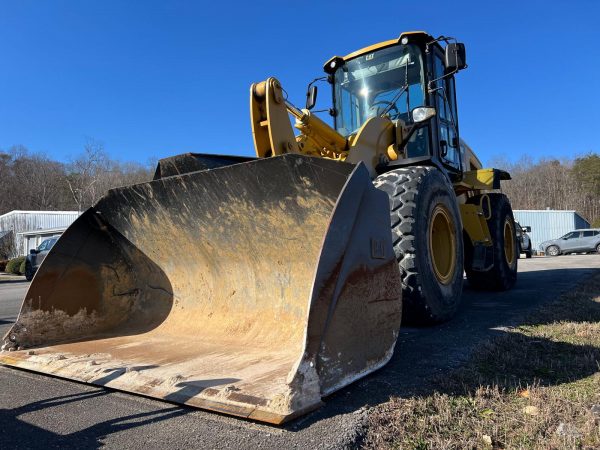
{"x": 535, "y": 387}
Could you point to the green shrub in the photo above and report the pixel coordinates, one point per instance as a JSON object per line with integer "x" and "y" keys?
{"x": 3, "y": 263}
{"x": 22, "y": 267}
{"x": 14, "y": 266}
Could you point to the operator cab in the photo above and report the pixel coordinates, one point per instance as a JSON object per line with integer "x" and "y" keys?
{"x": 392, "y": 79}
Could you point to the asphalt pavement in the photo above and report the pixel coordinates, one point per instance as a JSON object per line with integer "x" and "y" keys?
{"x": 38, "y": 411}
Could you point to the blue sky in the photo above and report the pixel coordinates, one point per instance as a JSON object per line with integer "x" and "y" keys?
{"x": 152, "y": 79}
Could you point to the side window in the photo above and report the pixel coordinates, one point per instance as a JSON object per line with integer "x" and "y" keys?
{"x": 446, "y": 109}
{"x": 43, "y": 246}
{"x": 350, "y": 112}
{"x": 590, "y": 233}
{"x": 572, "y": 235}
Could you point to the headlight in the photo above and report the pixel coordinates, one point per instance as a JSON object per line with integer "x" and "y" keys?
{"x": 422, "y": 113}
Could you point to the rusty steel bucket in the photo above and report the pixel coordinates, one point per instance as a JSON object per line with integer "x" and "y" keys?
{"x": 253, "y": 289}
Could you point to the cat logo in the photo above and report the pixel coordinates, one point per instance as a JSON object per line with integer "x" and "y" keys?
{"x": 369, "y": 57}
{"x": 377, "y": 248}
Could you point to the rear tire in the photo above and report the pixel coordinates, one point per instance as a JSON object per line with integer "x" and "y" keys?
{"x": 598, "y": 248}
{"x": 424, "y": 216}
{"x": 528, "y": 254}
{"x": 503, "y": 274}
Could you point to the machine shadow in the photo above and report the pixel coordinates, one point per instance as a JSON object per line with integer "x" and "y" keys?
{"x": 424, "y": 356}
{"x": 25, "y": 435}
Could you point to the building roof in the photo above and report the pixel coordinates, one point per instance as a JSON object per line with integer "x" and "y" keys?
{"x": 548, "y": 210}
{"x": 19, "y": 211}
{"x": 41, "y": 231}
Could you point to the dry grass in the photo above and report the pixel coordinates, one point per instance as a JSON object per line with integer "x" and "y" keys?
{"x": 515, "y": 392}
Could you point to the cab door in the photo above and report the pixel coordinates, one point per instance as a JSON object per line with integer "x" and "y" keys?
{"x": 447, "y": 118}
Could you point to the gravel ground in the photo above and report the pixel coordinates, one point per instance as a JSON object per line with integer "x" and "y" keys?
{"x": 42, "y": 412}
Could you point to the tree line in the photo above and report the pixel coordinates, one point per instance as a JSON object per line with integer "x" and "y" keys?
{"x": 33, "y": 181}
{"x": 571, "y": 184}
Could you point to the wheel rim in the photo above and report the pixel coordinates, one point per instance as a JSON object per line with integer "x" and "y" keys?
{"x": 442, "y": 244}
{"x": 553, "y": 251}
{"x": 509, "y": 242}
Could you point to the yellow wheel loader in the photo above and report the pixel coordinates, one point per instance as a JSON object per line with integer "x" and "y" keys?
{"x": 257, "y": 286}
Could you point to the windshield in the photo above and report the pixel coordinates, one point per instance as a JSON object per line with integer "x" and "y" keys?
{"x": 388, "y": 81}
{"x": 47, "y": 244}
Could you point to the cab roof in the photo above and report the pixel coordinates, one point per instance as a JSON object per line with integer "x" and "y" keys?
{"x": 380, "y": 45}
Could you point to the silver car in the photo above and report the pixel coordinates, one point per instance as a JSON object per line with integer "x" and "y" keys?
{"x": 577, "y": 241}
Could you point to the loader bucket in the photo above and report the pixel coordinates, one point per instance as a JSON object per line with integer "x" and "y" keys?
{"x": 253, "y": 289}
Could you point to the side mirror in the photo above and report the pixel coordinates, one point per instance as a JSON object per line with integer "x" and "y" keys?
{"x": 526, "y": 229}
{"x": 456, "y": 57}
{"x": 33, "y": 251}
{"x": 422, "y": 114}
{"x": 311, "y": 97}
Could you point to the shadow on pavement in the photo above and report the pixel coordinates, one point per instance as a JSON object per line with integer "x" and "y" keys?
{"x": 18, "y": 434}
{"x": 2, "y": 281}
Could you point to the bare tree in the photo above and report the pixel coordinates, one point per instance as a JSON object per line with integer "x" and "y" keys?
{"x": 569, "y": 184}
{"x": 85, "y": 174}
{"x": 34, "y": 181}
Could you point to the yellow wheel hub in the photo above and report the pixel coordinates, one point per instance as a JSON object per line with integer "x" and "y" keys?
{"x": 509, "y": 242}
{"x": 442, "y": 244}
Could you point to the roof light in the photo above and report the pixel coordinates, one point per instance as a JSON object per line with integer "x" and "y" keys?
{"x": 404, "y": 40}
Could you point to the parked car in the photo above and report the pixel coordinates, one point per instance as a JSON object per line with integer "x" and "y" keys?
{"x": 577, "y": 241}
{"x": 523, "y": 240}
{"x": 36, "y": 256}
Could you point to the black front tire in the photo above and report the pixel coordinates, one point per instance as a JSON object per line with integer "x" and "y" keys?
{"x": 528, "y": 254}
{"x": 503, "y": 273}
{"x": 29, "y": 272}
{"x": 423, "y": 208}
{"x": 552, "y": 250}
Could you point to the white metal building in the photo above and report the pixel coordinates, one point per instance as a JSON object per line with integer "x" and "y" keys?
{"x": 25, "y": 230}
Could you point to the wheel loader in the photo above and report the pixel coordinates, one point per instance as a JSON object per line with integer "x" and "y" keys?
{"x": 257, "y": 286}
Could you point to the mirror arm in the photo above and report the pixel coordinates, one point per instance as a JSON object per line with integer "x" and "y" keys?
{"x": 409, "y": 130}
